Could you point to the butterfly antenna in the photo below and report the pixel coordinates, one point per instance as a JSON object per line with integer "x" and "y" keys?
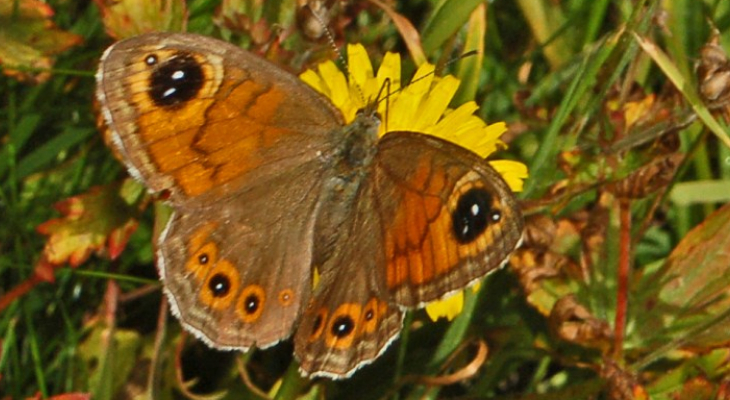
{"x": 327, "y": 33}
{"x": 340, "y": 57}
{"x": 386, "y": 84}
{"x": 380, "y": 97}
{"x": 438, "y": 71}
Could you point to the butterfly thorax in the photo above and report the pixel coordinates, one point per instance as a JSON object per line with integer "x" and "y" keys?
{"x": 351, "y": 163}
{"x": 356, "y": 146}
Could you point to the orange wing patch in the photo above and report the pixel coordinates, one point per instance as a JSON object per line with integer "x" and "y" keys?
{"x": 343, "y": 326}
{"x": 205, "y": 142}
{"x": 286, "y": 297}
{"x": 476, "y": 247}
{"x": 251, "y": 303}
{"x": 319, "y": 325}
{"x": 420, "y": 244}
{"x": 156, "y": 123}
{"x": 218, "y": 278}
{"x": 221, "y": 285}
{"x": 373, "y": 312}
{"x": 202, "y": 254}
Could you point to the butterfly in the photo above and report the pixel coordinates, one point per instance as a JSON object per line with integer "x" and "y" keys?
{"x": 268, "y": 183}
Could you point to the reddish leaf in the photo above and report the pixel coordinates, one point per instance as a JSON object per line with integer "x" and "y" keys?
{"x": 64, "y": 396}
{"x": 71, "y": 396}
{"x": 245, "y": 17}
{"x": 42, "y": 273}
{"x": 126, "y": 18}
{"x": 694, "y": 288}
{"x": 101, "y": 221}
{"x": 699, "y": 268}
{"x": 30, "y": 39}
{"x": 698, "y": 388}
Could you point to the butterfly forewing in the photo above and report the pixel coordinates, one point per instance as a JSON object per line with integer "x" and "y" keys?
{"x": 192, "y": 115}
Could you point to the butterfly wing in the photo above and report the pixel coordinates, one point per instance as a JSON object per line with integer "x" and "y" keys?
{"x": 238, "y": 144}
{"x": 448, "y": 217}
{"x": 194, "y": 115}
{"x": 349, "y": 322}
{"x": 238, "y": 274}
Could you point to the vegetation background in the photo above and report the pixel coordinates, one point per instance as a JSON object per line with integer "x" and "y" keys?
{"x": 622, "y": 289}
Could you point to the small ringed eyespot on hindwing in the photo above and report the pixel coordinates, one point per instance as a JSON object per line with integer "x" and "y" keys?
{"x": 203, "y": 258}
{"x": 371, "y": 315}
{"x": 318, "y": 325}
{"x": 342, "y": 326}
{"x": 251, "y": 303}
{"x": 472, "y": 215}
{"x": 371, "y": 309}
{"x": 219, "y": 285}
{"x": 286, "y": 297}
{"x": 175, "y": 80}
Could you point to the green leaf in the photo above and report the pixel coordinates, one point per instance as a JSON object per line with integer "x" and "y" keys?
{"x": 50, "y": 150}
{"x": 470, "y": 68}
{"x": 448, "y": 19}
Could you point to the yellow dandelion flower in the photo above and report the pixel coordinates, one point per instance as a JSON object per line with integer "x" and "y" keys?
{"x": 421, "y": 106}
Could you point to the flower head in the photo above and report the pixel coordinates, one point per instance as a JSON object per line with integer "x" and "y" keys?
{"x": 421, "y": 106}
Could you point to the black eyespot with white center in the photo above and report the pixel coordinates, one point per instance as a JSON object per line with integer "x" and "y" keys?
{"x": 251, "y": 304}
{"x": 219, "y": 285}
{"x": 203, "y": 259}
{"x": 342, "y": 326}
{"x": 175, "y": 80}
{"x": 473, "y": 214}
